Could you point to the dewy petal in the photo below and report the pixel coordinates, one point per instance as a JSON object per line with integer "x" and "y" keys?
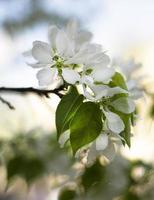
{"x": 123, "y": 104}
{"x": 102, "y": 142}
{"x": 52, "y": 33}
{"x": 103, "y": 74}
{"x": 70, "y": 76}
{"x": 41, "y": 51}
{"x": 114, "y": 122}
{"x": 46, "y": 76}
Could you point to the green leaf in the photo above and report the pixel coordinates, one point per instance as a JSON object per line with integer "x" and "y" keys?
{"x": 66, "y": 110}
{"x": 93, "y": 176}
{"x": 118, "y": 80}
{"x": 28, "y": 168}
{"x": 85, "y": 126}
{"x": 126, "y": 134}
{"x": 152, "y": 111}
{"x": 67, "y": 194}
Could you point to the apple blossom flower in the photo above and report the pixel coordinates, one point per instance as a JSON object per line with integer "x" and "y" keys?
{"x": 69, "y": 56}
{"x": 105, "y": 145}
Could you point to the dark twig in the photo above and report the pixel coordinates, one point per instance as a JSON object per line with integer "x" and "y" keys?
{"x": 40, "y": 92}
{"x": 7, "y": 103}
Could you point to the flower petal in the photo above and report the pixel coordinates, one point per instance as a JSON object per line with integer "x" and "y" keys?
{"x": 64, "y": 138}
{"x": 116, "y": 90}
{"x": 110, "y": 151}
{"x": 46, "y": 76}
{"x": 41, "y": 52}
{"x": 85, "y": 52}
{"x": 37, "y": 65}
{"x": 70, "y": 76}
{"x": 92, "y": 154}
{"x": 83, "y": 37}
{"x": 72, "y": 29}
{"x": 52, "y": 33}
{"x": 123, "y": 104}
{"x": 102, "y": 142}
{"x": 114, "y": 122}
{"x": 103, "y": 74}
{"x": 98, "y": 58}
{"x": 64, "y": 46}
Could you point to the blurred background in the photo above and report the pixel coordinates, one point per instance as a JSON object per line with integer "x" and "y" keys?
{"x": 125, "y": 29}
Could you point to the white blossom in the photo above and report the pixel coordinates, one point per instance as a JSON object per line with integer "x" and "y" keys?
{"x": 105, "y": 145}
{"x": 68, "y": 55}
{"x": 123, "y": 104}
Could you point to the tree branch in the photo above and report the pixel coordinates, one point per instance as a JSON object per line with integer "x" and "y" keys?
{"x": 24, "y": 90}
{"x": 7, "y": 103}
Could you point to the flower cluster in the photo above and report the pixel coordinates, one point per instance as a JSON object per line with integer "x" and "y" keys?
{"x": 98, "y": 110}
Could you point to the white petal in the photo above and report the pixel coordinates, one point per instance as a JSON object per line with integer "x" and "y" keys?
{"x": 93, "y": 154}
{"x": 98, "y": 58}
{"x": 110, "y": 151}
{"x": 131, "y": 84}
{"x": 87, "y": 94}
{"x": 97, "y": 89}
{"x": 41, "y": 51}
{"x": 64, "y": 138}
{"x": 125, "y": 105}
{"x": 91, "y": 49}
{"x": 105, "y": 91}
{"x": 102, "y": 142}
{"x": 72, "y": 29}
{"x": 85, "y": 79}
{"x": 83, "y": 36}
{"x": 62, "y": 43}
{"x": 70, "y": 76}
{"x": 82, "y": 57}
{"x": 103, "y": 74}
{"x": 47, "y": 76}
{"x": 116, "y": 90}
{"x": 52, "y": 33}
{"x": 114, "y": 122}
{"x": 37, "y": 65}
